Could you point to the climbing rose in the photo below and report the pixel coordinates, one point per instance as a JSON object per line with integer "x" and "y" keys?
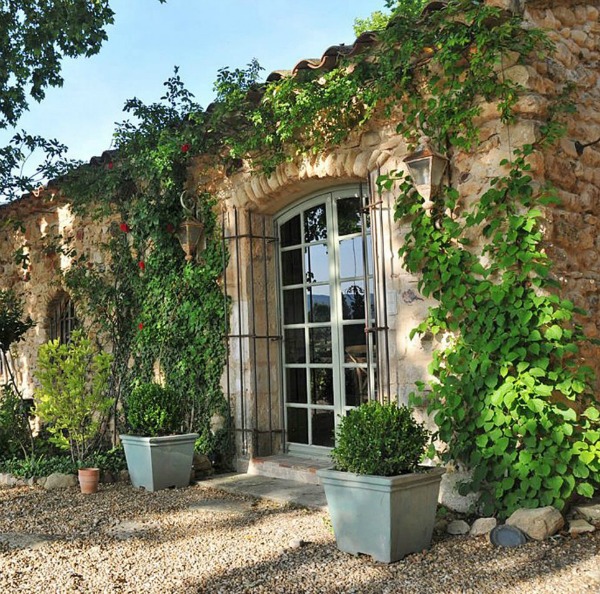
{"x": 125, "y": 227}
{"x": 185, "y": 148}
{"x": 140, "y": 326}
{"x": 110, "y": 165}
{"x": 142, "y": 265}
{"x": 170, "y": 228}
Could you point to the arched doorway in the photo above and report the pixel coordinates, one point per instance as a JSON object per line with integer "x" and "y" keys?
{"x": 327, "y": 309}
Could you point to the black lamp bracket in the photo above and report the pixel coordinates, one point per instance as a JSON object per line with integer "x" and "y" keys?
{"x": 580, "y": 147}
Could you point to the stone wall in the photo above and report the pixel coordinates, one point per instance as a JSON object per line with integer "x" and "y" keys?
{"x": 573, "y": 230}
{"x": 39, "y": 283}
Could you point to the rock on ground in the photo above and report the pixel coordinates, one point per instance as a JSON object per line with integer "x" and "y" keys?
{"x": 483, "y": 526}
{"x": 58, "y": 480}
{"x": 457, "y": 527}
{"x": 580, "y": 527}
{"x": 589, "y": 512}
{"x": 539, "y": 523}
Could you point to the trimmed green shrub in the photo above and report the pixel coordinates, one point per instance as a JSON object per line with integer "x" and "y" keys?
{"x": 379, "y": 439}
{"x": 153, "y": 410}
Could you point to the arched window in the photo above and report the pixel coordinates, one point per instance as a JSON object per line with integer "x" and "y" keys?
{"x": 62, "y": 318}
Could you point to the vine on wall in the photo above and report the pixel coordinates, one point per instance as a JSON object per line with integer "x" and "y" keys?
{"x": 510, "y": 395}
{"x": 165, "y": 318}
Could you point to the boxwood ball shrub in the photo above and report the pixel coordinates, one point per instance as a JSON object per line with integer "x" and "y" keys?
{"x": 153, "y": 410}
{"x": 379, "y": 439}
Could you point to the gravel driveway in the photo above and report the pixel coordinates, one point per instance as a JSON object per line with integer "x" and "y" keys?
{"x": 203, "y": 540}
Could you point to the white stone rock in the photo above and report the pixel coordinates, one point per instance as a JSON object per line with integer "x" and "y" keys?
{"x": 449, "y": 496}
{"x": 458, "y": 527}
{"x": 8, "y": 480}
{"x": 58, "y": 480}
{"x": 589, "y": 512}
{"x": 483, "y": 526}
{"x": 580, "y": 527}
{"x": 539, "y": 523}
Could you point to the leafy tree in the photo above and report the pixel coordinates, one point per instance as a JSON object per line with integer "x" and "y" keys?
{"x": 72, "y": 397}
{"x": 35, "y": 36}
{"x": 374, "y": 22}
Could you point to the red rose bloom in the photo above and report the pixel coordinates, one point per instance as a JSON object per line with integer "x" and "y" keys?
{"x": 142, "y": 265}
{"x": 140, "y": 326}
{"x": 170, "y": 228}
{"x": 124, "y": 227}
{"x": 110, "y": 165}
{"x": 185, "y": 148}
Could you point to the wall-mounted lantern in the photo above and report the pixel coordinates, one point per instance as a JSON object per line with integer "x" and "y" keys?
{"x": 191, "y": 230}
{"x": 189, "y": 234}
{"x": 426, "y": 168}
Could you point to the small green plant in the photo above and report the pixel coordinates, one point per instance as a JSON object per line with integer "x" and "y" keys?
{"x": 72, "y": 397}
{"x": 153, "y": 410}
{"x": 112, "y": 460}
{"x": 379, "y": 439}
{"x": 15, "y": 433}
{"x": 36, "y": 466}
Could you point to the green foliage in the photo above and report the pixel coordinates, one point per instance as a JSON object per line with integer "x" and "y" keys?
{"x": 34, "y": 37}
{"x": 13, "y": 323}
{"x": 72, "y": 394}
{"x": 511, "y": 397}
{"x": 376, "y": 21}
{"x": 15, "y": 433}
{"x": 112, "y": 460}
{"x": 152, "y": 410}
{"x": 379, "y": 439}
{"x": 37, "y": 466}
{"x": 146, "y": 301}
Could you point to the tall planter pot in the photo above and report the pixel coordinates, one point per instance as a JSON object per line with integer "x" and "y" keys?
{"x": 385, "y": 517}
{"x": 159, "y": 462}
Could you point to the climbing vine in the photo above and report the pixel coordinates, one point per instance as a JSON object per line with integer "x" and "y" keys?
{"x": 165, "y": 315}
{"x": 510, "y": 395}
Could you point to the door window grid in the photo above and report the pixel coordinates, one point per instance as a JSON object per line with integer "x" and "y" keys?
{"x": 322, "y": 367}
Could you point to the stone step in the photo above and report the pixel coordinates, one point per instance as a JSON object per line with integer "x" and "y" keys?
{"x": 291, "y": 468}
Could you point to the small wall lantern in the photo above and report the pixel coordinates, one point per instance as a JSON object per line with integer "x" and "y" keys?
{"x": 189, "y": 234}
{"x": 191, "y": 230}
{"x": 426, "y": 168}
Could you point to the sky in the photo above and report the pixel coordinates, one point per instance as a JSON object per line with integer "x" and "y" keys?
{"x": 200, "y": 36}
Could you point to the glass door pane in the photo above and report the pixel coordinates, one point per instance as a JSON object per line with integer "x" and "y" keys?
{"x": 326, "y": 300}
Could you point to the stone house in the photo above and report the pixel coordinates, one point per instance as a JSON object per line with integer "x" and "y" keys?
{"x": 321, "y": 307}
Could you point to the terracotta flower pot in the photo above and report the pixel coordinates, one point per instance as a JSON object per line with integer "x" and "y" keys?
{"x": 89, "y": 479}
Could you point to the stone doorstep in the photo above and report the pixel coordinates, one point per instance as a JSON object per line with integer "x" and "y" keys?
{"x": 291, "y": 468}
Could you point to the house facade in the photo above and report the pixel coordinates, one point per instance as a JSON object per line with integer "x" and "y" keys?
{"x": 321, "y": 306}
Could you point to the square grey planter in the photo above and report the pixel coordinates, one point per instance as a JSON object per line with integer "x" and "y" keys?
{"x": 385, "y": 517}
{"x": 159, "y": 462}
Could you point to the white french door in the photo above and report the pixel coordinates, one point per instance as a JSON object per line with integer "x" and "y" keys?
{"x": 326, "y": 296}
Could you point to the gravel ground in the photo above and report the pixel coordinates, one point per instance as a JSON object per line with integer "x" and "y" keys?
{"x": 203, "y": 540}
